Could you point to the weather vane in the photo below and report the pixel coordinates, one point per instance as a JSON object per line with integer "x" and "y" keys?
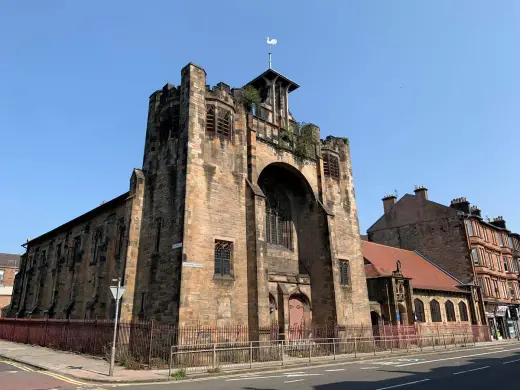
{"x": 271, "y": 42}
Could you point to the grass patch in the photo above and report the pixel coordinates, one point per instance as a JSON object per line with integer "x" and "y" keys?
{"x": 215, "y": 370}
{"x": 179, "y": 374}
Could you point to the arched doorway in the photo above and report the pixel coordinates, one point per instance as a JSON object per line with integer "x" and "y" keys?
{"x": 296, "y": 311}
{"x": 403, "y": 315}
{"x": 295, "y": 233}
{"x": 375, "y": 318}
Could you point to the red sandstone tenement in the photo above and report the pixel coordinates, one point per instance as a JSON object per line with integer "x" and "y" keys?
{"x": 238, "y": 216}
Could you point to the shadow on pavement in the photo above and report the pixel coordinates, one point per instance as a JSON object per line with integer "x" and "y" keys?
{"x": 438, "y": 377}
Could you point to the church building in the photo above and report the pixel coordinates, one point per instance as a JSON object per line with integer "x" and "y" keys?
{"x": 240, "y": 215}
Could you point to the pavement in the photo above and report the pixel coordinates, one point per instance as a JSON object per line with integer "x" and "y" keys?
{"x": 478, "y": 366}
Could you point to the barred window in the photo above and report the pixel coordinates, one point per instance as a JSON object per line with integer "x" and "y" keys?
{"x": 435, "y": 310}
{"x": 344, "y": 273}
{"x": 278, "y": 229}
{"x": 331, "y": 165}
{"x": 450, "y": 311}
{"x": 419, "y": 310}
{"x": 463, "y": 311}
{"x": 224, "y": 124}
{"x": 223, "y": 256}
{"x": 218, "y": 122}
{"x": 210, "y": 120}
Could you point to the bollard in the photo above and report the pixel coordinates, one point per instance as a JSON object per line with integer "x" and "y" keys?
{"x": 310, "y": 351}
{"x": 433, "y": 342}
{"x": 374, "y": 345}
{"x": 214, "y": 356}
{"x": 355, "y": 346}
{"x": 444, "y": 341}
{"x": 281, "y": 348}
{"x": 334, "y": 348}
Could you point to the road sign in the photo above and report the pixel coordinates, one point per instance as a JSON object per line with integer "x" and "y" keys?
{"x": 178, "y": 245}
{"x": 114, "y": 292}
{"x": 398, "y": 316}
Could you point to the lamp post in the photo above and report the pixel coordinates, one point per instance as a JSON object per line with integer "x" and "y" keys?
{"x": 117, "y": 292}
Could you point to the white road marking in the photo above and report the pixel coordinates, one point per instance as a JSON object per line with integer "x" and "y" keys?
{"x": 512, "y": 361}
{"x": 337, "y": 369}
{"x": 369, "y": 368}
{"x": 403, "y": 384}
{"x": 296, "y": 380}
{"x": 291, "y": 375}
{"x": 291, "y": 372}
{"x": 456, "y": 357}
{"x": 475, "y": 369}
{"x": 255, "y": 377}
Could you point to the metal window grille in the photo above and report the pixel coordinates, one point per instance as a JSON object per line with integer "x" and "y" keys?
{"x": 278, "y": 219}
{"x": 223, "y": 254}
{"x": 331, "y": 165}
{"x": 210, "y": 120}
{"x": 435, "y": 309}
{"x": 450, "y": 311}
{"x": 224, "y": 124}
{"x": 419, "y": 310}
{"x": 463, "y": 311}
{"x": 344, "y": 273}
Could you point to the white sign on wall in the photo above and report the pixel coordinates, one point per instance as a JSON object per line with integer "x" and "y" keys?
{"x": 192, "y": 265}
{"x": 178, "y": 245}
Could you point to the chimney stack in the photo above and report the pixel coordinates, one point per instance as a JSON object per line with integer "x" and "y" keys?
{"x": 421, "y": 192}
{"x": 460, "y": 204}
{"x": 475, "y": 210}
{"x": 388, "y": 202}
{"x": 499, "y": 222}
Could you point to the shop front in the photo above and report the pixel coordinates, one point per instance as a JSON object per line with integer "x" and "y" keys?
{"x": 498, "y": 323}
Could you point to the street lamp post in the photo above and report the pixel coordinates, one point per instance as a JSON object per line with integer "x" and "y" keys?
{"x": 117, "y": 296}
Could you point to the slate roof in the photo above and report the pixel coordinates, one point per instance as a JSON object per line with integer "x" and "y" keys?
{"x": 380, "y": 260}
{"x": 9, "y": 260}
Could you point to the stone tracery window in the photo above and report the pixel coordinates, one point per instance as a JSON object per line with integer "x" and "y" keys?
{"x": 450, "y": 311}
{"x": 435, "y": 310}
{"x": 278, "y": 219}
{"x": 218, "y": 122}
{"x": 331, "y": 165}
{"x": 419, "y": 310}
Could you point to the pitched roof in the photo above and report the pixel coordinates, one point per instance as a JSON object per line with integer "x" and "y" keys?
{"x": 9, "y": 260}
{"x": 424, "y": 274}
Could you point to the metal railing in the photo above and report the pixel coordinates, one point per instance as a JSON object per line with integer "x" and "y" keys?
{"x": 215, "y": 357}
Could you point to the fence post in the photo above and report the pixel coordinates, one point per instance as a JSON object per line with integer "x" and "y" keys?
{"x": 150, "y": 346}
{"x": 374, "y": 345}
{"x": 250, "y": 354}
{"x": 282, "y": 346}
{"x": 355, "y": 346}
{"x": 170, "y": 363}
{"x": 310, "y": 351}
{"x": 45, "y": 334}
{"x": 214, "y": 355}
{"x": 334, "y": 348}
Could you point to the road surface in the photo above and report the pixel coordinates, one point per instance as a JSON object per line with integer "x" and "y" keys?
{"x": 474, "y": 368}
{"x": 14, "y": 376}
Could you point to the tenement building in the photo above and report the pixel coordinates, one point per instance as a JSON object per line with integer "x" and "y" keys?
{"x": 480, "y": 253}
{"x": 405, "y": 288}
{"x": 239, "y": 215}
{"x": 8, "y": 269}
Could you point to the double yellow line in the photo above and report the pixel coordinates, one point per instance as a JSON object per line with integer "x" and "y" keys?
{"x": 54, "y": 375}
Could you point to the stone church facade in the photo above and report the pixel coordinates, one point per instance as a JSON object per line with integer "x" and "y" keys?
{"x": 239, "y": 216}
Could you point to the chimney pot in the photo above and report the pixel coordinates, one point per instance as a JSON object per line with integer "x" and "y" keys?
{"x": 421, "y": 192}
{"x": 388, "y": 202}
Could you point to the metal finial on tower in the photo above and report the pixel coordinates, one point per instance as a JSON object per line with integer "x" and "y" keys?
{"x": 271, "y": 42}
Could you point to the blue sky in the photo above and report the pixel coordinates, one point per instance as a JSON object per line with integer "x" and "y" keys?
{"x": 427, "y": 92}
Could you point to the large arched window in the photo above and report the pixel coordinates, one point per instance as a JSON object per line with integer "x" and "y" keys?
{"x": 278, "y": 219}
{"x": 450, "y": 311}
{"x": 419, "y": 310}
{"x": 463, "y": 311}
{"x": 435, "y": 310}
